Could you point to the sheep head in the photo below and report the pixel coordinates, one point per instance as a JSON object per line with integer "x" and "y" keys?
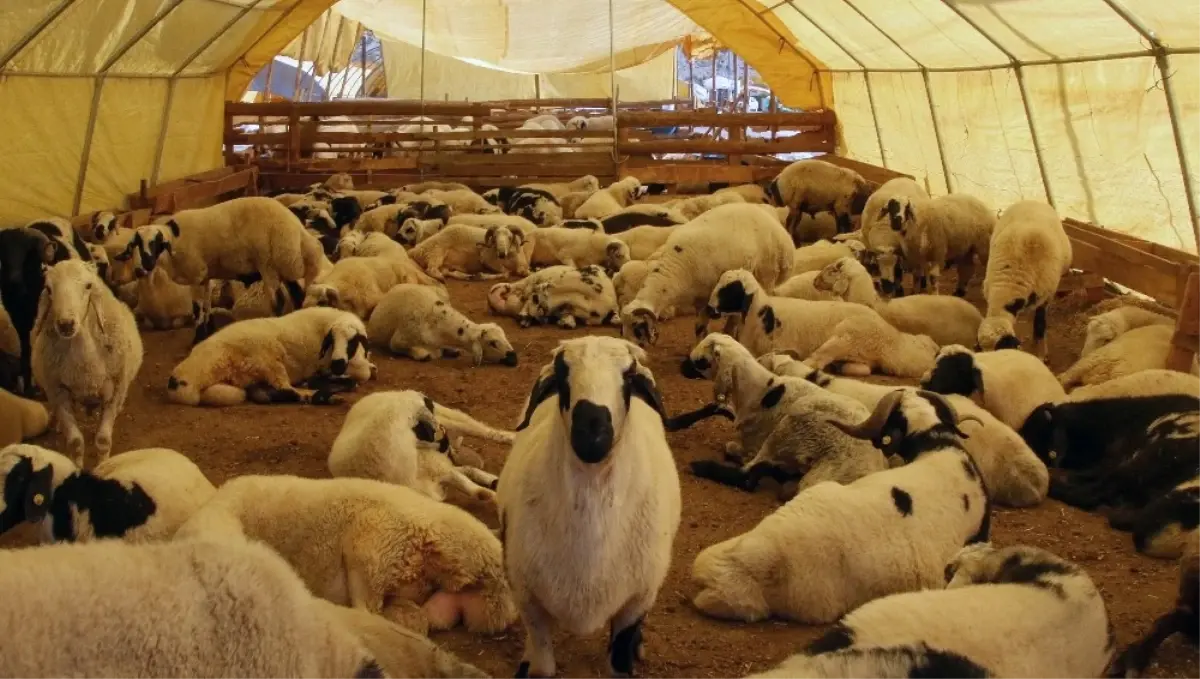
{"x": 149, "y": 243}
{"x": 705, "y": 358}
{"x": 954, "y": 372}
{"x": 491, "y": 345}
{"x": 344, "y": 339}
{"x": 616, "y": 255}
{"x": 103, "y": 225}
{"x": 901, "y": 413}
{"x": 733, "y": 294}
{"x": 997, "y": 332}
{"x": 640, "y": 322}
{"x": 595, "y": 379}
{"x": 68, "y": 296}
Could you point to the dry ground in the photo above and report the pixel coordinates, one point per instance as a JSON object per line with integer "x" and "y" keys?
{"x": 680, "y": 642}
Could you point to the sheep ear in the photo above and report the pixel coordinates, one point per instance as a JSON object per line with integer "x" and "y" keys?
{"x": 49, "y": 252}
{"x": 38, "y": 494}
{"x": 174, "y": 227}
{"x": 326, "y": 344}
{"x": 353, "y": 345}
{"x": 642, "y": 386}
{"x": 543, "y": 389}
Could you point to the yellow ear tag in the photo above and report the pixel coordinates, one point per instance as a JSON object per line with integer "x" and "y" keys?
{"x": 38, "y": 499}
{"x": 887, "y": 440}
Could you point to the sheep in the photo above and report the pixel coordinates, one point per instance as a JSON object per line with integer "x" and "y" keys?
{"x": 464, "y": 251}
{"x": 340, "y": 181}
{"x": 422, "y": 187}
{"x": 578, "y": 247}
{"x": 750, "y": 193}
{"x": 1139, "y": 349}
{"x": 654, "y": 214}
{"x": 418, "y": 321}
{"x": 1029, "y": 254}
{"x": 1012, "y": 472}
{"x": 99, "y": 227}
{"x": 809, "y": 186}
{"x": 593, "y": 123}
{"x": 695, "y": 206}
{"x": 1007, "y": 383}
{"x": 1013, "y": 612}
{"x": 947, "y": 229}
{"x": 514, "y": 223}
{"x": 608, "y": 201}
{"x": 628, "y": 281}
{"x": 63, "y": 236}
{"x": 1184, "y": 618}
{"x": 860, "y": 345}
{"x": 23, "y": 252}
{"x": 86, "y": 351}
{"x": 694, "y": 258}
{"x": 264, "y": 357}
{"x": 643, "y": 241}
{"x": 592, "y": 430}
{"x": 364, "y": 197}
{"x": 364, "y": 244}
{"x": 1104, "y": 328}
{"x": 1141, "y": 383}
{"x": 885, "y": 216}
{"x": 358, "y": 284}
{"x": 138, "y": 496}
{"x": 415, "y": 231}
{"x": 163, "y": 304}
{"x": 566, "y": 296}
{"x": 834, "y": 547}
{"x": 572, "y": 201}
{"x": 811, "y": 228}
{"x": 821, "y": 254}
{"x": 21, "y": 418}
{"x": 167, "y": 610}
{"x": 399, "y": 437}
{"x": 768, "y": 323}
{"x": 1164, "y": 525}
{"x": 537, "y": 205}
{"x": 462, "y": 202}
{"x": 546, "y": 121}
{"x": 782, "y": 424}
{"x": 585, "y": 184}
{"x": 376, "y": 546}
{"x": 388, "y": 218}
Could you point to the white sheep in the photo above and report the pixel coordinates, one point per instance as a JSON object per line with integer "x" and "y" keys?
{"x": 1153, "y": 382}
{"x": 834, "y": 547}
{"x": 418, "y": 321}
{"x": 86, "y": 351}
{"x": 566, "y": 296}
{"x": 577, "y": 247}
{"x": 886, "y": 214}
{"x": 414, "y": 231}
{"x": 138, "y": 496}
{"x": 264, "y": 357}
{"x": 21, "y": 418}
{"x": 586, "y": 184}
{"x": 823, "y": 253}
{"x": 695, "y": 206}
{"x": 1008, "y": 383}
{"x": 372, "y": 545}
{"x": 811, "y": 186}
{"x": 462, "y": 201}
{"x": 609, "y": 200}
{"x": 464, "y": 251}
{"x": 357, "y": 284}
{"x": 643, "y": 241}
{"x": 1030, "y": 252}
{"x": 694, "y": 258}
{"x": 591, "y": 123}
{"x": 1143, "y": 348}
{"x": 628, "y": 281}
{"x": 863, "y": 344}
{"x": 948, "y": 229}
{"x": 163, "y": 304}
{"x": 750, "y": 193}
{"x": 592, "y": 431}
{"x": 1104, "y": 328}
{"x": 64, "y": 238}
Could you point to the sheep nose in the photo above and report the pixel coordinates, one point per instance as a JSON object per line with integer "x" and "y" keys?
{"x": 66, "y": 328}
{"x": 510, "y": 359}
{"x": 887, "y": 286}
{"x": 591, "y": 431}
{"x": 338, "y": 366}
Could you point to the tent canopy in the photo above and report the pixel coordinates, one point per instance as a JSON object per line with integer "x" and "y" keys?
{"x": 1093, "y": 104}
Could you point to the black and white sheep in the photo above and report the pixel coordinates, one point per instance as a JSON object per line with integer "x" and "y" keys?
{"x": 1008, "y": 383}
{"x": 561, "y": 295}
{"x": 537, "y": 205}
{"x": 1163, "y": 527}
{"x": 811, "y": 186}
{"x": 592, "y": 431}
{"x": 887, "y": 213}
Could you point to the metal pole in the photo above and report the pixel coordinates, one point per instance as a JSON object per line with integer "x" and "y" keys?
{"x": 300, "y": 65}
{"x": 1164, "y": 73}
{"x": 337, "y": 42}
{"x": 316, "y": 57}
{"x": 267, "y": 85}
{"x": 362, "y": 64}
{"x": 612, "y": 84}
{"x": 1020, "y": 73}
{"x": 34, "y": 32}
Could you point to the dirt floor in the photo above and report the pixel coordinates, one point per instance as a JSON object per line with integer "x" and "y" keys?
{"x": 680, "y": 641}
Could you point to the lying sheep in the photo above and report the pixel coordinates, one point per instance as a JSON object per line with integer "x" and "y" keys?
{"x": 539, "y": 206}
{"x": 810, "y": 186}
{"x": 572, "y": 201}
{"x": 376, "y": 546}
{"x": 1163, "y": 527}
{"x": 163, "y": 304}
{"x": 1185, "y": 618}
{"x": 513, "y": 223}
{"x": 592, "y": 430}
{"x": 578, "y": 247}
{"x": 462, "y": 201}
{"x": 644, "y": 241}
{"x": 1156, "y": 382}
{"x": 823, "y": 253}
{"x": 398, "y": 651}
{"x": 137, "y": 496}
{"x": 462, "y": 251}
{"x": 399, "y": 437}
{"x": 628, "y": 281}
{"x": 1104, "y": 328}
{"x": 86, "y": 352}
{"x": 562, "y": 295}
{"x": 1144, "y": 348}
{"x": 861, "y": 345}
{"x": 1029, "y": 255}
{"x": 358, "y": 284}
{"x": 694, "y": 258}
{"x": 388, "y": 218}
{"x": 414, "y": 231}
{"x": 947, "y": 229}
{"x": 750, "y": 193}
{"x": 1007, "y": 383}
{"x": 418, "y": 321}
{"x": 695, "y": 206}
{"x": 422, "y": 187}
{"x": 641, "y": 214}
{"x": 264, "y": 357}
{"x": 585, "y": 184}
{"x": 1044, "y": 618}
{"x": 608, "y": 200}
{"x": 919, "y": 508}
{"x": 592, "y": 123}
{"x": 20, "y": 419}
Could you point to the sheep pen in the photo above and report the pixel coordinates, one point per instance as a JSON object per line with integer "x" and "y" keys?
{"x": 287, "y": 439}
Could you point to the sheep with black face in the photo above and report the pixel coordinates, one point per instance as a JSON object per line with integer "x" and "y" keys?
{"x": 592, "y": 431}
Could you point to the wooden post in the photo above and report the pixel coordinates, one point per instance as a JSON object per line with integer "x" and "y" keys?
{"x": 745, "y": 86}
{"x": 774, "y": 109}
{"x": 293, "y": 143}
{"x": 267, "y": 87}
{"x": 733, "y": 93}
{"x": 1184, "y": 342}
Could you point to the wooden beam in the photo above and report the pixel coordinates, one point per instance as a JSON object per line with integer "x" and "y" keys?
{"x": 1186, "y": 341}
{"x": 800, "y": 143}
{"x": 821, "y": 118}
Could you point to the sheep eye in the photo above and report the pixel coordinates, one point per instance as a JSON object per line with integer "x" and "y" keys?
{"x": 88, "y": 286}
{"x": 493, "y": 343}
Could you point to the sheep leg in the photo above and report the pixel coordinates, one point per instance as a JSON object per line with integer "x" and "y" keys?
{"x": 108, "y": 417}
{"x": 739, "y": 598}
{"x": 1039, "y": 332}
{"x": 223, "y": 395}
{"x": 1134, "y": 659}
{"x": 537, "y": 660}
{"x": 837, "y": 355}
{"x": 625, "y": 639}
{"x": 931, "y": 274}
{"x": 60, "y": 402}
{"x": 419, "y": 353}
{"x": 433, "y": 265}
{"x": 966, "y": 271}
{"x": 461, "y": 423}
{"x": 458, "y": 481}
{"x": 274, "y": 287}
{"x": 480, "y": 477}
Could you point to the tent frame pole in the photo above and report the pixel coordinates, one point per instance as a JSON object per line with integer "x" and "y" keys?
{"x": 865, "y": 72}
{"x": 1019, "y": 72}
{"x": 337, "y": 42}
{"x": 34, "y": 32}
{"x": 316, "y": 57}
{"x": 612, "y": 86}
{"x": 300, "y": 64}
{"x": 1163, "y": 62}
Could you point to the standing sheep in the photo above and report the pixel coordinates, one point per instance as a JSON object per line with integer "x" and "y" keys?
{"x": 947, "y": 229}
{"x": 418, "y": 321}
{"x": 86, "y": 351}
{"x": 592, "y": 433}
{"x": 810, "y": 186}
{"x": 888, "y": 212}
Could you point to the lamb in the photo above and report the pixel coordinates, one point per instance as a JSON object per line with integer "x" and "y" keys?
{"x": 695, "y": 206}
{"x": 563, "y": 295}
{"x": 418, "y": 321}
{"x": 1007, "y": 383}
{"x": 20, "y": 419}
{"x": 376, "y": 546}
{"x": 1104, "y": 328}
{"x": 888, "y": 532}
{"x": 163, "y": 304}
{"x": 183, "y": 596}
{"x": 1141, "y": 383}
{"x": 823, "y": 253}
{"x": 809, "y": 186}
{"x": 777, "y": 323}
{"x": 546, "y": 121}
{"x": 947, "y": 229}
{"x": 694, "y": 258}
{"x": 1045, "y": 618}
{"x": 885, "y": 215}
{"x": 860, "y": 345}
{"x": 263, "y": 357}
{"x": 782, "y": 424}
{"x": 1139, "y": 349}
{"x": 578, "y": 247}
{"x": 358, "y": 284}
{"x": 643, "y": 241}
{"x": 388, "y": 218}
{"x": 608, "y": 201}
{"x": 1185, "y": 618}
{"x": 592, "y": 430}
{"x": 1013, "y": 474}
{"x": 1030, "y": 252}
{"x": 948, "y": 320}
{"x": 463, "y": 251}
{"x": 137, "y": 496}
{"x": 86, "y": 351}
{"x": 463, "y": 202}
{"x": 585, "y": 184}
{"x": 398, "y": 437}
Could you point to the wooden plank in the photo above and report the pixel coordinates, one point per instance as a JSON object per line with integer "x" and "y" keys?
{"x": 355, "y": 107}
{"x": 571, "y": 170}
{"x": 709, "y": 118}
{"x": 679, "y": 173}
{"x": 1186, "y": 340}
{"x": 514, "y": 158}
{"x": 1123, "y": 265}
{"x": 795, "y": 144}
{"x": 872, "y": 173}
{"x": 1156, "y": 249}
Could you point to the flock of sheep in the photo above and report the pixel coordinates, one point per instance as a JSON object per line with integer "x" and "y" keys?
{"x": 889, "y": 491}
